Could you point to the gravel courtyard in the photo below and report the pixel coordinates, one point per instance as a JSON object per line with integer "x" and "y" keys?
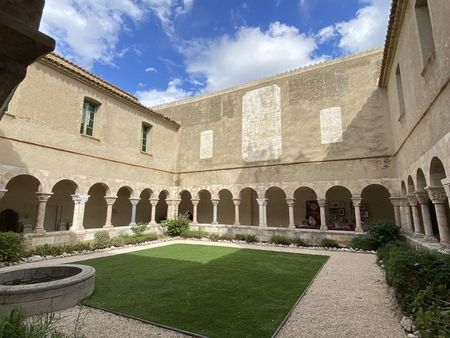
{"x": 348, "y": 298}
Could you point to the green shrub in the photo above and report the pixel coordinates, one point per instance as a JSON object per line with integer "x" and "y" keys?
{"x": 277, "y": 239}
{"x": 11, "y": 246}
{"x": 175, "y": 227}
{"x": 239, "y": 237}
{"x": 432, "y": 311}
{"x": 17, "y": 325}
{"x": 139, "y": 229}
{"x": 251, "y": 239}
{"x": 117, "y": 241}
{"x": 133, "y": 240}
{"x": 214, "y": 237}
{"x": 227, "y": 237}
{"x": 364, "y": 242}
{"x": 194, "y": 234}
{"x": 379, "y": 233}
{"x": 101, "y": 239}
{"x": 329, "y": 243}
{"x": 298, "y": 242}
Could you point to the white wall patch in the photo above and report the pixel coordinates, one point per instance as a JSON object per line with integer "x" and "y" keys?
{"x": 261, "y": 124}
{"x": 331, "y": 125}
{"x": 206, "y": 144}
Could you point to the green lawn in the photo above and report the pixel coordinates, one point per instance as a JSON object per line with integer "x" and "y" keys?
{"x": 209, "y": 290}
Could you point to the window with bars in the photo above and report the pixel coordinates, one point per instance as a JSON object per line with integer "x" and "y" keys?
{"x": 88, "y": 117}
{"x": 145, "y": 135}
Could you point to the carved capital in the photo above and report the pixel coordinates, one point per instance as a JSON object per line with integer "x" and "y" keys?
{"x": 261, "y": 201}
{"x": 412, "y": 200}
{"x": 236, "y": 202}
{"x": 422, "y": 197}
{"x": 396, "y": 201}
{"x": 357, "y": 201}
{"x": 43, "y": 196}
{"x": 290, "y": 202}
{"x": 195, "y": 201}
{"x": 437, "y": 194}
{"x": 215, "y": 201}
{"x": 322, "y": 203}
{"x": 110, "y": 200}
{"x": 154, "y": 201}
{"x": 134, "y": 201}
{"x": 2, "y": 193}
{"x": 404, "y": 202}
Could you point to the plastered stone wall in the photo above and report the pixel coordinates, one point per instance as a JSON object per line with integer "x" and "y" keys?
{"x": 206, "y": 144}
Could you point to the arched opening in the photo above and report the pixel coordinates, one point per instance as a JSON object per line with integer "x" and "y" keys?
{"x": 306, "y": 206}
{"x": 9, "y": 221}
{"x": 161, "y": 207}
{"x": 95, "y": 209}
{"x": 421, "y": 181}
{"x": 144, "y": 208}
{"x": 186, "y": 208}
{"x": 205, "y": 207}
{"x": 21, "y": 199}
{"x": 437, "y": 174}
{"x": 248, "y": 209}
{"x": 59, "y": 210}
{"x": 340, "y": 213}
{"x": 403, "y": 190}
{"x": 121, "y": 212}
{"x": 225, "y": 209}
{"x": 411, "y": 188}
{"x": 376, "y": 204}
{"x": 277, "y": 208}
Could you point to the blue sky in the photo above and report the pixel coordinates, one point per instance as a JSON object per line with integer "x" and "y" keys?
{"x": 166, "y": 50}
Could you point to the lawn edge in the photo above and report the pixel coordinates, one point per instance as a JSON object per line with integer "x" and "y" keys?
{"x": 164, "y": 326}
{"x": 288, "y": 315}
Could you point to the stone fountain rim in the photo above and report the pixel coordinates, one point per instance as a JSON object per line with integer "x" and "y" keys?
{"x": 86, "y": 273}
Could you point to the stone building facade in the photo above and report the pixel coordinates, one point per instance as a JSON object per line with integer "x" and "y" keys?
{"x": 315, "y": 152}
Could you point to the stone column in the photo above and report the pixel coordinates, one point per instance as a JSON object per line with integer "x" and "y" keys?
{"x": 2, "y": 193}
{"x": 408, "y": 222}
{"x": 175, "y": 205}
{"x": 262, "y": 202}
{"x": 422, "y": 198}
{"x": 237, "y": 203}
{"x": 78, "y": 212}
{"x": 40, "y": 217}
{"x": 357, "y": 204}
{"x": 437, "y": 196}
{"x": 169, "y": 209}
{"x": 215, "y": 203}
{"x": 323, "y": 217}
{"x": 194, "y": 212}
{"x": 110, "y": 200}
{"x": 134, "y": 202}
{"x": 415, "y": 215}
{"x": 446, "y": 185}
{"x": 290, "y": 203}
{"x": 153, "y": 202}
{"x": 396, "y": 203}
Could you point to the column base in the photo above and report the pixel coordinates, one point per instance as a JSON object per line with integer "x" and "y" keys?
{"x": 39, "y": 231}
{"x": 214, "y": 223}
{"x": 291, "y": 227}
{"x": 445, "y": 245}
{"x": 418, "y": 235}
{"x": 152, "y": 223}
{"x": 430, "y": 239}
{"x": 359, "y": 230}
{"x": 237, "y": 224}
{"x": 108, "y": 226}
{"x": 323, "y": 228}
{"x": 132, "y": 224}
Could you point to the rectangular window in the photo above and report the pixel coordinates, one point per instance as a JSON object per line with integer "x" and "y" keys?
{"x": 425, "y": 29}
{"x": 145, "y": 135}
{"x": 88, "y": 118}
{"x": 401, "y": 100}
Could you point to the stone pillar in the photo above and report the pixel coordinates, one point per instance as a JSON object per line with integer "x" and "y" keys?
{"x": 40, "y": 217}
{"x": 407, "y": 222}
{"x": 175, "y": 205}
{"x": 262, "y": 202}
{"x": 323, "y": 217}
{"x": 169, "y": 209}
{"x": 437, "y": 196}
{"x": 290, "y": 203}
{"x": 134, "y": 202}
{"x": 78, "y": 212}
{"x": 446, "y": 185}
{"x": 422, "y": 198}
{"x": 396, "y": 203}
{"x": 265, "y": 212}
{"x": 357, "y": 204}
{"x": 215, "y": 203}
{"x": 153, "y": 202}
{"x": 415, "y": 215}
{"x": 237, "y": 203}
{"x": 110, "y": 200}
{"x": 194, "y": 212}
{"x": 2, "y": 193}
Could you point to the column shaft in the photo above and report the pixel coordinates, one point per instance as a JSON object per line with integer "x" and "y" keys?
{"x": 194, "y": 211}
{"x": 40, "y": 216}
{"x": 237, "y": 203}
{"x": 215, "y": 203}
{"x": 323, "y": 217}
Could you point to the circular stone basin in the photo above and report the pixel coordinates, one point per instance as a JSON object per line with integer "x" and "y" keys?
{"x": 45, "y": 289}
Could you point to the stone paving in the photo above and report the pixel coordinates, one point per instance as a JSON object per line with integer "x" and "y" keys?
{"x": 348, "y": 298}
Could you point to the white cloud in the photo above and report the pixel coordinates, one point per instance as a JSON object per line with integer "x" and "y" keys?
{"x": 151, "y": 70}
{"x": 88, "y": 31}
{"x": 154, "y": 97}
{"x": 367, "y": 30}
{"x": 249, "y": 55}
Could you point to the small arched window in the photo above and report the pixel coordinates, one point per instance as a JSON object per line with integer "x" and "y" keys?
{"x": 145, "y": 137}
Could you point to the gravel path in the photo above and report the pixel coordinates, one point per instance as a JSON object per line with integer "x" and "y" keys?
{"x": 348, "y": 298}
